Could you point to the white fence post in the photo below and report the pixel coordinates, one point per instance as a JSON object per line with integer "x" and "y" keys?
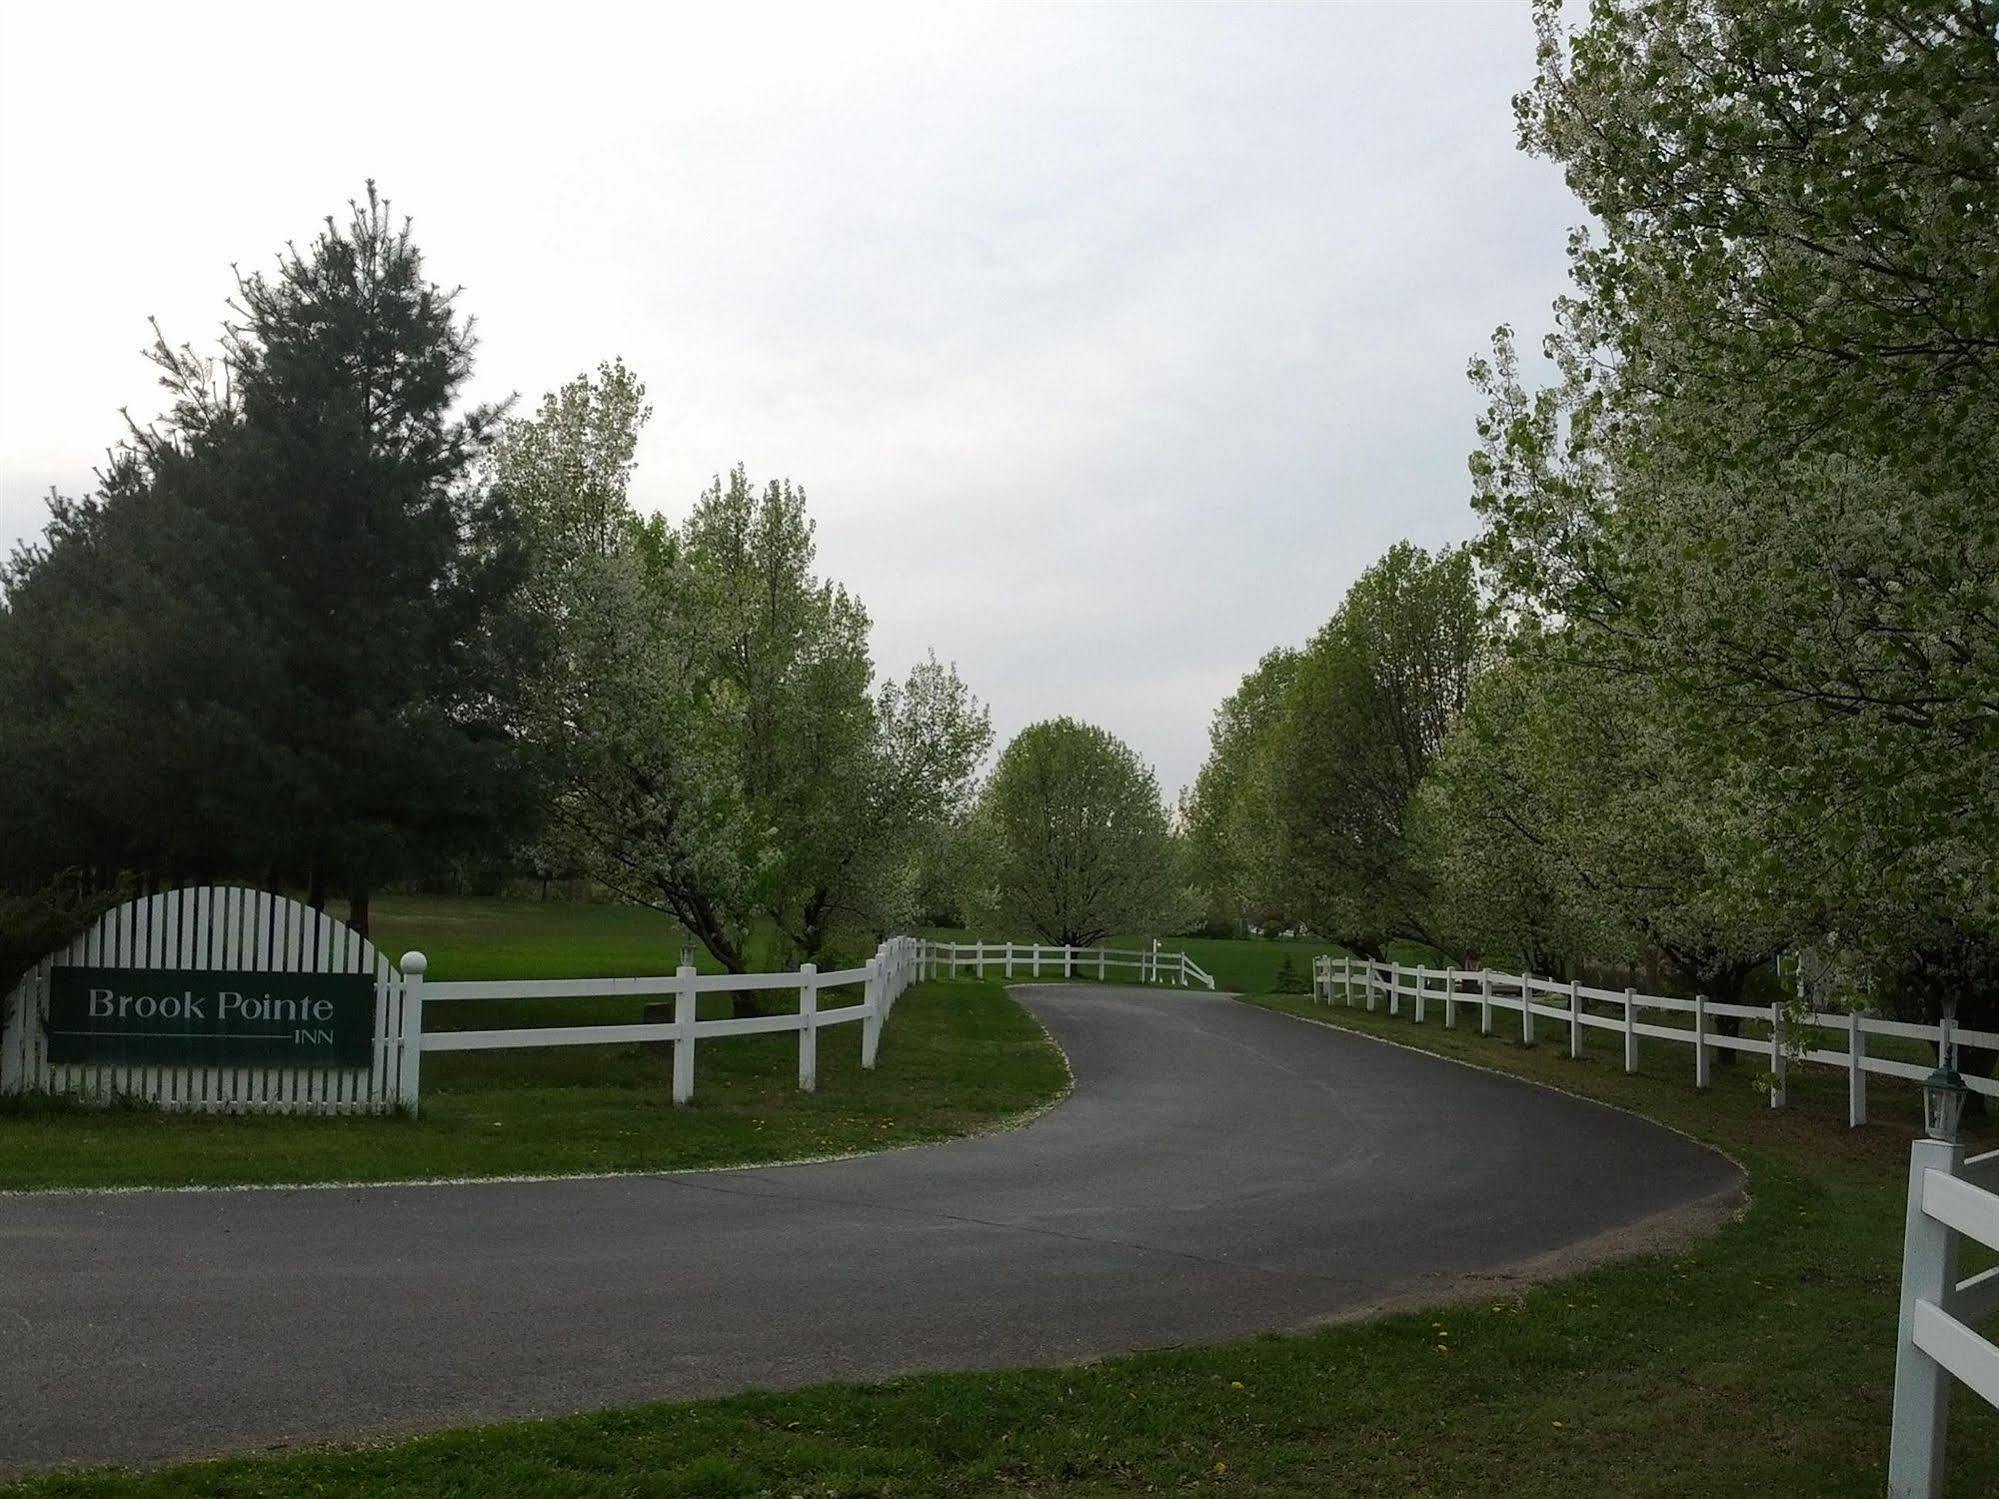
{"x": 1450, "y": 998}
{"x": 1036, "y": 952}
{"x": 982, "y": 958}
{"x": 1068, "y": 961}
{"x": 1630, "y": 1030}
{"x": 1102, "y": 954}
{"x": 1395, "y": 989}
{"x": 1777, "y": 1058}
{"x": 1922, "y": 1386}
{"x": 1485, "y": 1001}
{"x": 1526, "y": 1008}
{"x": 1856, "y": 1077}
{"x": 686, "y": 1004}
{"x": 871, "y": 1026}
{"x": 1422, "y": 983}
{"x": 409, "y": 1074}
{"x": 1575, "y": 1019}
{"x": 1700, "y": 1041}
{"x": 808, "y": 1030}
{"x": 1009, "y": 960}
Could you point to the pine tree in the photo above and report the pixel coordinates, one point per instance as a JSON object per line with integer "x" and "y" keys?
{"x": 279, "y": 643}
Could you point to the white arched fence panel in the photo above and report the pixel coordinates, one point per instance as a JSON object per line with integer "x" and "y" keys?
{"x": 214, "y": 930}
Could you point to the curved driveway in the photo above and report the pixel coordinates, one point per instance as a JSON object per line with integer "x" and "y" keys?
{"x": 1219, "y": 1170}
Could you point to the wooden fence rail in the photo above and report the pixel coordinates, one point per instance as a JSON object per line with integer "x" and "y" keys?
{"x": 1579, "y": 1007}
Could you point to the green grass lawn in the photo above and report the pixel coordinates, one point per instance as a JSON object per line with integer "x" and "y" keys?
{"x": 1756, "y": 1362}
{"x": 955, "y": 1058}
{"x": 486, "y": 938}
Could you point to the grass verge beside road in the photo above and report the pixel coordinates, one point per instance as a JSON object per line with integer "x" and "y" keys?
{"x": 956, "y": 1058}
{"x": 1756, "y": 1362}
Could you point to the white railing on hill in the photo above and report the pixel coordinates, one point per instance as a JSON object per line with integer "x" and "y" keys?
{"x": 1357, "y": 981}
{"x": 1147, "y": 966}
{"x": 1950, "y": 1199}
{"x": 896, "y": 965}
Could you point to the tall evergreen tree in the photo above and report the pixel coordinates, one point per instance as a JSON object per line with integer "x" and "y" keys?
{"x": 278, "y": 643}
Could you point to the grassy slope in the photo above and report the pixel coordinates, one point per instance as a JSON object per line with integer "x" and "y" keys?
{"x": 481, "y": 938}
{"x": 1757, "y": 1362}
{"x": 955, "y": 1058}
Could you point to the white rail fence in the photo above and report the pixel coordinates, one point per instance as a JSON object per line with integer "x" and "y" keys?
{"x": 1950, "y": 1199}
{"x": 882, "y": 980}
{"x": 1581, "y": 1007}
{"x": 212, "y": 934}
{"x": 1013, "y": 959}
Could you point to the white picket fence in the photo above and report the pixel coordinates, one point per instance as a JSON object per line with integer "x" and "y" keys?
{"x": 882, "y": 980}
{"x": 1357, "y": 981}
{"x": 1018, "y": 959}
{"x": 213, "y": 927}
{"x": 1950, "y": 1199}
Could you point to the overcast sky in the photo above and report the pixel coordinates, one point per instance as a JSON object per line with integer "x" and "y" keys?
{"x": 1109, "y": 343}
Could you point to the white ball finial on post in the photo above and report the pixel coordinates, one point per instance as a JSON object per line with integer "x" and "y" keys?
{"x": 409, "y": 1071}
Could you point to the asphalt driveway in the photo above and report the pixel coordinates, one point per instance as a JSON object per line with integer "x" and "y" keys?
{"x": 1219, "y": 1170}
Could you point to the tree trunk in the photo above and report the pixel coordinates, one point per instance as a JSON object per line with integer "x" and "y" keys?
{"x": 1725, "y": 985}
{"x": 357, "y": 909}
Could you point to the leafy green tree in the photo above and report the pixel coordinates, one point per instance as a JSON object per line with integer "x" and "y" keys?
{"x": 931, "y": 736}
{"x": 782, "y": 658}
{"x": 1763, "y": 478}
{"x": 721, "y": 748}
{"x": 1370, "y": 703}
{"x": 647, "y": 798}
{"x": 1071, "y": 840}
{"x": 566, "y": 473}
{"x": 1561, "y": 823}
{"x": 1230, "y": 822}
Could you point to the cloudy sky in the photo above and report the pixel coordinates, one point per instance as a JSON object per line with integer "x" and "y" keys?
{"x": 1110, "y": 343}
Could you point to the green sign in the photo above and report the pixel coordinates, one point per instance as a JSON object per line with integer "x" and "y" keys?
{"x": 192, "y": 1018}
